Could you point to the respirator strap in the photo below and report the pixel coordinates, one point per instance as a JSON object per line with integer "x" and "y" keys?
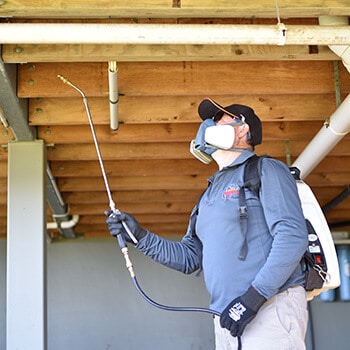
{"x": 233, "y": 149}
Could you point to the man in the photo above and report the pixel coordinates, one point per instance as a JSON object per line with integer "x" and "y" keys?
{"x": 254, "y": 278}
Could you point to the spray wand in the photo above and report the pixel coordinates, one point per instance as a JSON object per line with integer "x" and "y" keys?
{"x": 109, "y": 193}
{"x": 115, "y": 211}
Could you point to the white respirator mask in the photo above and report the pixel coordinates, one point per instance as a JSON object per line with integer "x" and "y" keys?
{"x": 220, "y": 136}
{"x": 211, "y": 137}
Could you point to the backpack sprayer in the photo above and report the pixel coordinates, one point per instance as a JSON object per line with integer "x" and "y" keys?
{"x": 115, "y": 211}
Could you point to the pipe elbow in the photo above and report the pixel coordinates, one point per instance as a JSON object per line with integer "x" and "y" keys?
{"x": 63, "y": 224}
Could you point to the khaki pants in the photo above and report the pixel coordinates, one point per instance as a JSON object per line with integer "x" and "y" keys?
{"x": 280, "y": 324}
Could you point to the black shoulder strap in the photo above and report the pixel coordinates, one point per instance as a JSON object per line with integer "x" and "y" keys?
{"x": 252, "y": 173}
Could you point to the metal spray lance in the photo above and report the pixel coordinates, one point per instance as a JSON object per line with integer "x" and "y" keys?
{"x": 109, "y": 193}
{"x": 121, "y": 240}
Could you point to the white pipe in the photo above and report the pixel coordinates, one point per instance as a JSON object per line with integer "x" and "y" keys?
{"x": 339, "y": 124}
{"x": 324, "y": 141}
{"x": 113, "y": 94}
{"x": 91, "y": 33}
{"x": 343, "y": 51}
{"x": 63, "y": 224}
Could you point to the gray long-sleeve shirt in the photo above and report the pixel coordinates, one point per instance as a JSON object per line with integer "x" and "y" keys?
{"x": 276, "y": 235}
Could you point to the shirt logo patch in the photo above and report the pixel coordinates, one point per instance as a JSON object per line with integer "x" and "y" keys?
{"x": 231, "y": 191}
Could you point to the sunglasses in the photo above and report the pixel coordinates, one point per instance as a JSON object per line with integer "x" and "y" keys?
{"x": 236, "y": 120}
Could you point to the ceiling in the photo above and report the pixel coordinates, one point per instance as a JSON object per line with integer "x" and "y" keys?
{"x": 151, "y": 173}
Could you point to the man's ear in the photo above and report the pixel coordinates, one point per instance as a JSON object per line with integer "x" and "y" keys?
{"x": 245, "y": 130}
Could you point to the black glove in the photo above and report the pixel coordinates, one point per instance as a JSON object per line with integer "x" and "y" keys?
{"x": 114, "y": 222}
{"x": 241, "y": 311}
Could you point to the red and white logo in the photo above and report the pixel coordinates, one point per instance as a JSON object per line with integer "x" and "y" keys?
{"x": 231, "y": 191}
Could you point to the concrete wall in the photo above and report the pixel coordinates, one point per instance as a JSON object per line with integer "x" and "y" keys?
{"x": 93, "y": 305}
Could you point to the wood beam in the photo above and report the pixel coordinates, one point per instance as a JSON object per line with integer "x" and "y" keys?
{"x": 142, "y": 167}
{"x": 184, "y": 207}
{"x": 334, "y": 163}
{"x": 26, "y": 53}
{"x": 172, "y": 132}
{"x": 157, "y": 196}
{"x": 88, "y": 169}
{"x": 174, "y": 182}
{"x": 338, "y": 215}
{"x": 99, "y": 231}
{"x": 89, "y": 172}
{"x": 181, "y": 78}
{"x": 170, "y": 9}
{"x": 162, "y": 132}
{"x": 145, "y": 218}
{"x": 323, "y": 194}
{"x": 123, "y": 151}
{"x": 172, "y": 111}
{"x": 173, "y": 150}
{"x": 129, "y": 151}
{"x": 136, "y": 167}
{"x": 328, "y": 179}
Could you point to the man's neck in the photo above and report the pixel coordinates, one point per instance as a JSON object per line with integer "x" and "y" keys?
{"x": 224, "y": 158}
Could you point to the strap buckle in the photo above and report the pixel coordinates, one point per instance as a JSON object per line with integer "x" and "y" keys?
{"x": 243, "y": 211}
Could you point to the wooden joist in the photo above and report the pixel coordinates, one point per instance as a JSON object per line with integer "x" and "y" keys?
{"x": 172, "y": 150}
{"x": 150, "y": 183}
{"x": 175, "y": 182}
{"x": 293, "y": 106}
{"x": 145, "y": 167}
{"x": 136, "y": 196}
{"x": 182, "y": 78}
{"x": 172, "y": 132}
{"x": 137, "y": 208}
{"x": 135, "y": 167}
{"x": 171, "y": 9}
{"x": 145, "y": 218}
{"x": 30, "y": 53}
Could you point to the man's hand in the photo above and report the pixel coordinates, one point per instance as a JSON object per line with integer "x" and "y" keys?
{"x": 241, "y": 311}
{"x": 115, "y": 225}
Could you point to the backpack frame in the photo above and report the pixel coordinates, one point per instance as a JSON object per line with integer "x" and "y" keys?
{"x": 319, "y": 262}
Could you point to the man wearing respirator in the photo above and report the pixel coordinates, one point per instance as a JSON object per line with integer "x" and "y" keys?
{"x": 254, "y": 278}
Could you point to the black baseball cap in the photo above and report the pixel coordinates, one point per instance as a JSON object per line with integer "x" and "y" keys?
{"x": 208, "y": 109}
